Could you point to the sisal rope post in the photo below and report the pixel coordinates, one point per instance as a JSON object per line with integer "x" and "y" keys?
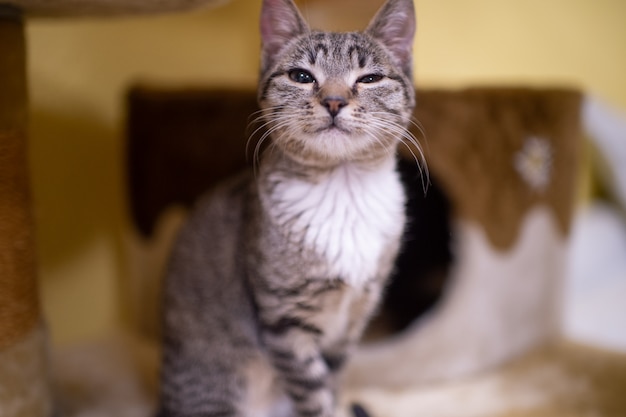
{"x": 24, "y": 387}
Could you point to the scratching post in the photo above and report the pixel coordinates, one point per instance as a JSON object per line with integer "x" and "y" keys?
{"x": 24, "y": 387}
{"x": 23, "y": 382}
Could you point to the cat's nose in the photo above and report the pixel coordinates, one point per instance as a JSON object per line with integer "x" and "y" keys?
{"x": 334, "y": 104}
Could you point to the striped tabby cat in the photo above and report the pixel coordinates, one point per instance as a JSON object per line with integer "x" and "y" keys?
{"x": 275, "y": 275}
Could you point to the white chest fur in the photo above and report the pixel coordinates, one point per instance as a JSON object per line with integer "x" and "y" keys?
{"x": 347, "y": 216}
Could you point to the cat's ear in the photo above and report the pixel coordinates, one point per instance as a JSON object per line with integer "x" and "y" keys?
{"x": 280, "y": 22}
{"x": 394, "y": 26}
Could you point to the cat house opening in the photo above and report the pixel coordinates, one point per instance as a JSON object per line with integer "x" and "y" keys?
{"x": 422, "y": 267}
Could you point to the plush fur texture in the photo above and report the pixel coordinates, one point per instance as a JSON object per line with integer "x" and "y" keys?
{"x": 275, "y": 275}
{"x": 474, "y": 139}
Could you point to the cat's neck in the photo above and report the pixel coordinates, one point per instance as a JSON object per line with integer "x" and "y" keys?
{"x": 348, "y": 214}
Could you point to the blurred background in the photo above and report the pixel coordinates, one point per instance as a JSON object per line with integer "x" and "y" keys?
{"x": 80, "y": 69}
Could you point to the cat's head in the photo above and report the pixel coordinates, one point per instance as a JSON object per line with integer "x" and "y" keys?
{"x": 334, "y": 97}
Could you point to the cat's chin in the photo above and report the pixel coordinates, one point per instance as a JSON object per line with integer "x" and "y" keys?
{"x": 333, "y": 147}
{"x": 332, "y": 138}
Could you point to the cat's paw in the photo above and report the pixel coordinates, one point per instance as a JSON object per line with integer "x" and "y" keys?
{"x": 358, "y": 411}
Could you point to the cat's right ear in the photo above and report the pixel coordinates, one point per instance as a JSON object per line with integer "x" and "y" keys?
{"x": 394, "y": 26}
{"x": 280, "y": 22}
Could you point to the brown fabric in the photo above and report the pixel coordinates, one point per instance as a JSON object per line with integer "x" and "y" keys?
{"x": 472, "y": 137}
{"x": 12, "y": 70}
{"x": 182, "y": 142}
{"x": 19, "y": 304}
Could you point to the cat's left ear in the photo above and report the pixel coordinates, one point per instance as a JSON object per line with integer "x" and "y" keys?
{"x": 280, "y": 22}
{"x": 394, "y": 26}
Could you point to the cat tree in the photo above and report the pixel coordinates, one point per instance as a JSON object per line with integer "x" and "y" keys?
{"x": 24, "y": 388}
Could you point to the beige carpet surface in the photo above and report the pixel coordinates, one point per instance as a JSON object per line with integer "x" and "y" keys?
{"x": 118, "y": 378}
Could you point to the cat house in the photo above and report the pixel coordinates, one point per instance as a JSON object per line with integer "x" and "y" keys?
{"x": 479, "y": 277}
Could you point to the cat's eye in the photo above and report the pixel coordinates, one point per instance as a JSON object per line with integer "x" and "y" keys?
{"x": 370, "y": 78}
{"x": 301, "y": 76}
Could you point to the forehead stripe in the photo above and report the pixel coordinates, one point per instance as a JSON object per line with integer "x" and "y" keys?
{"x": 313, "y": 52}
{"x": 361, "y": 56}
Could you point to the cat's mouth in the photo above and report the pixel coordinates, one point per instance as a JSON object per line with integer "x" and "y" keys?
{"x": 333, "y": 126}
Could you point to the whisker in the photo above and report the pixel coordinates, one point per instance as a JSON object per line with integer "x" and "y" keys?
{"x": 257, "y": 149}
{"x": 406, "y": 138}
{"x": 264, "y": 120}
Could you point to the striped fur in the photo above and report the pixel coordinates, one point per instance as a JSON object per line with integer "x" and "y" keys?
{"x": 275, "y": 275}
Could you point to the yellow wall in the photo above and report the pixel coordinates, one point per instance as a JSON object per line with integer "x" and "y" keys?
{"x": 79, "y": 70}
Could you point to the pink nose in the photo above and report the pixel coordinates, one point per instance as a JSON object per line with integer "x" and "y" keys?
{"x": 334, "y": 104}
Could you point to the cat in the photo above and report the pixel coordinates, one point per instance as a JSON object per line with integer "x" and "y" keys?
{"x": 276, "y": 272}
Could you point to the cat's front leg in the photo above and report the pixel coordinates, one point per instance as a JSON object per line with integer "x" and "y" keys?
{"x": 303, "y": 371}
